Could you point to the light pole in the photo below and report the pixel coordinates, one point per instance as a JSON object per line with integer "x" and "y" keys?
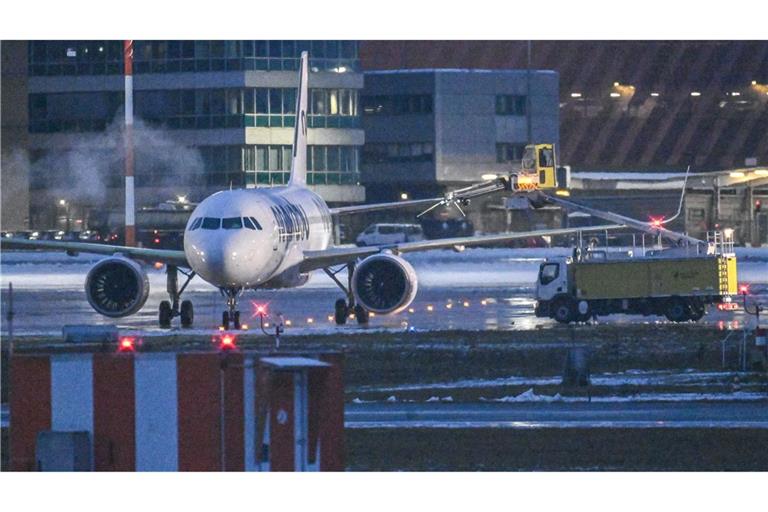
{"x": 755, "y": 312}
{"x": 64, "y": 204}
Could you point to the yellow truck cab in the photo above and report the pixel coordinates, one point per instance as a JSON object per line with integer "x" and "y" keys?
{"x": 678, "y": 286}
{"x": 539, "y": 170}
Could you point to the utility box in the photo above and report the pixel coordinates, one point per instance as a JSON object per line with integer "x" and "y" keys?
{"x": 63, "y": 451}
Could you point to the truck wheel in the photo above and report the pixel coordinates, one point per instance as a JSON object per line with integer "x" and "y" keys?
{"x": 696, "y": 310}
{"x": 583, "y": 312}
{"x": 676, "y": 310}
{"x": 563, "y": 310}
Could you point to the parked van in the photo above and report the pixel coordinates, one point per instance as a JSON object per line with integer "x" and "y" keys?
{"x": 380, "y": 234}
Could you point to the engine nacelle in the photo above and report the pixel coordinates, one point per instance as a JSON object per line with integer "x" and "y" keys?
{"x": 117, "y": 287}
{"x": 384, "y": 283}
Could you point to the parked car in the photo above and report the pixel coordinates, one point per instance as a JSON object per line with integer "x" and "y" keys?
{"x": 49, "y": 234}
{"x": 447, "y": 228}
{"x": 379, "y": 234}
{"x": 89, "y": 236}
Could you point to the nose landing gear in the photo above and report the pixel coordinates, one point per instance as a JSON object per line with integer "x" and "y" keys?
{"x": 231, "y": 317}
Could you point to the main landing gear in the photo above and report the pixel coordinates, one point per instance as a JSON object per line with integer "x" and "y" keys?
{"x": 231, "y": 317}
{"x": 343, "y": 307}
{"x": 169, "y": 309}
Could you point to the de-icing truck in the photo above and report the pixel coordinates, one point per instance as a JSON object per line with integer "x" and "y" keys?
{"x": 672, "y": 283}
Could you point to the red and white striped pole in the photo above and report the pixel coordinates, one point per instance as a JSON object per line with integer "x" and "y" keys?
{"x": 130, "y": 207}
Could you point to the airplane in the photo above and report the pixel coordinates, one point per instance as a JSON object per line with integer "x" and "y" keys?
{"x": 270, "y": 238}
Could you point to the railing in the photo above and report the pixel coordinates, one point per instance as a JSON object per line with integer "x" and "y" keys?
{"x": 720, "y": 242}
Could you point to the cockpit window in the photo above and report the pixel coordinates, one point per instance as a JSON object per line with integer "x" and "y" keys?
{"x": 255, "y": 223}
{"x": 232, "y": 223}
{"x": 211, "y": 223}
{"x": 196, "y": 224}
{"x": 248, "y": 223}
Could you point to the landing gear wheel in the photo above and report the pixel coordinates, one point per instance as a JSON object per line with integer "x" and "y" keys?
{"x": 165, "y": 314}
{"x": 236, "y": 320}
{"x": 361, "y": 315}
{"x": 564, "y": 310}
{"x": 676, "y": 310}
{"x": 225, "y": 320}
{"x": 340, "y": 312}
{"x": 187, "y": 313}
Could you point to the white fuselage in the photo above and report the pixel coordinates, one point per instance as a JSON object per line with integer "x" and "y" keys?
{"x": 256, "y": 237}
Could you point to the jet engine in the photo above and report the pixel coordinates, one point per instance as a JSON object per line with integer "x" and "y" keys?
{"x": 117, "y": 287}
{"x": 384, "y": 283}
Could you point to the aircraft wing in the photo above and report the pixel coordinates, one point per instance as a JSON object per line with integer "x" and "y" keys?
{"x": 340, "y": 255}
{"x": 647, "y": 227}
{"x": 149, "y": 255}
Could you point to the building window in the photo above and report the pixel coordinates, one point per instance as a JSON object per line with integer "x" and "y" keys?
{"x": 509, "y": 152}
{"x": 377, "y": 153}
{"x": 106, "y": 57}
{"x": 400, "y": 104}
{"x": 73, "y": 112}
{"x": 510, "y": 105}
{"x": 696, "y": 214}
{"x": 271, "y": 164}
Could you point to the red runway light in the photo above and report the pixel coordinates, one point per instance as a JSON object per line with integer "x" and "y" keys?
{"x": 227, "y": 342}
{"x": 127, "y": 344}
{"x": 744, "y": 289}
{"x": 259, "y": 309}
{"x": 657, "y": 221}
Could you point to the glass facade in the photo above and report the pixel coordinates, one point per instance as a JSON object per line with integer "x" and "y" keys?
{"x": 263, "y": 164}
{"x": 193, "y": 109}
{"x": 71, "y": 109}
{"x": 239, "y": 165}
{"x": 106, "y": 57}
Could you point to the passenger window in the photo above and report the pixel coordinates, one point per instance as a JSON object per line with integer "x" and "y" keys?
{"x": 387, "y": 230}
{"x": 196, "y": 224}
{"x": 255, "y": 223}
{"x": 211, "y": 223}
{"x": 549, "y": 272}
{"x": 248, "y": 223}
{"x": 370, "y": 230}
{"x": 232, "y": 223}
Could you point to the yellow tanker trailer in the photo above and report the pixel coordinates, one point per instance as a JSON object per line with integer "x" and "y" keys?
{"x": 677, "y": 286}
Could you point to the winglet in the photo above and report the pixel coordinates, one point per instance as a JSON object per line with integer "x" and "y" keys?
{"x": 299, "y": 160}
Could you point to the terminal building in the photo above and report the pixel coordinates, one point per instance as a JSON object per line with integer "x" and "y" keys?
{"x": 209, "y": 115}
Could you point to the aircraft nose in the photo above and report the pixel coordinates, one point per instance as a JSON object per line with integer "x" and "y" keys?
{"x": 226, "y": 262}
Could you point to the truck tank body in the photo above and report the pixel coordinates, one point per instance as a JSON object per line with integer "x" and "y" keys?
{"x": 652, "y": 277}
